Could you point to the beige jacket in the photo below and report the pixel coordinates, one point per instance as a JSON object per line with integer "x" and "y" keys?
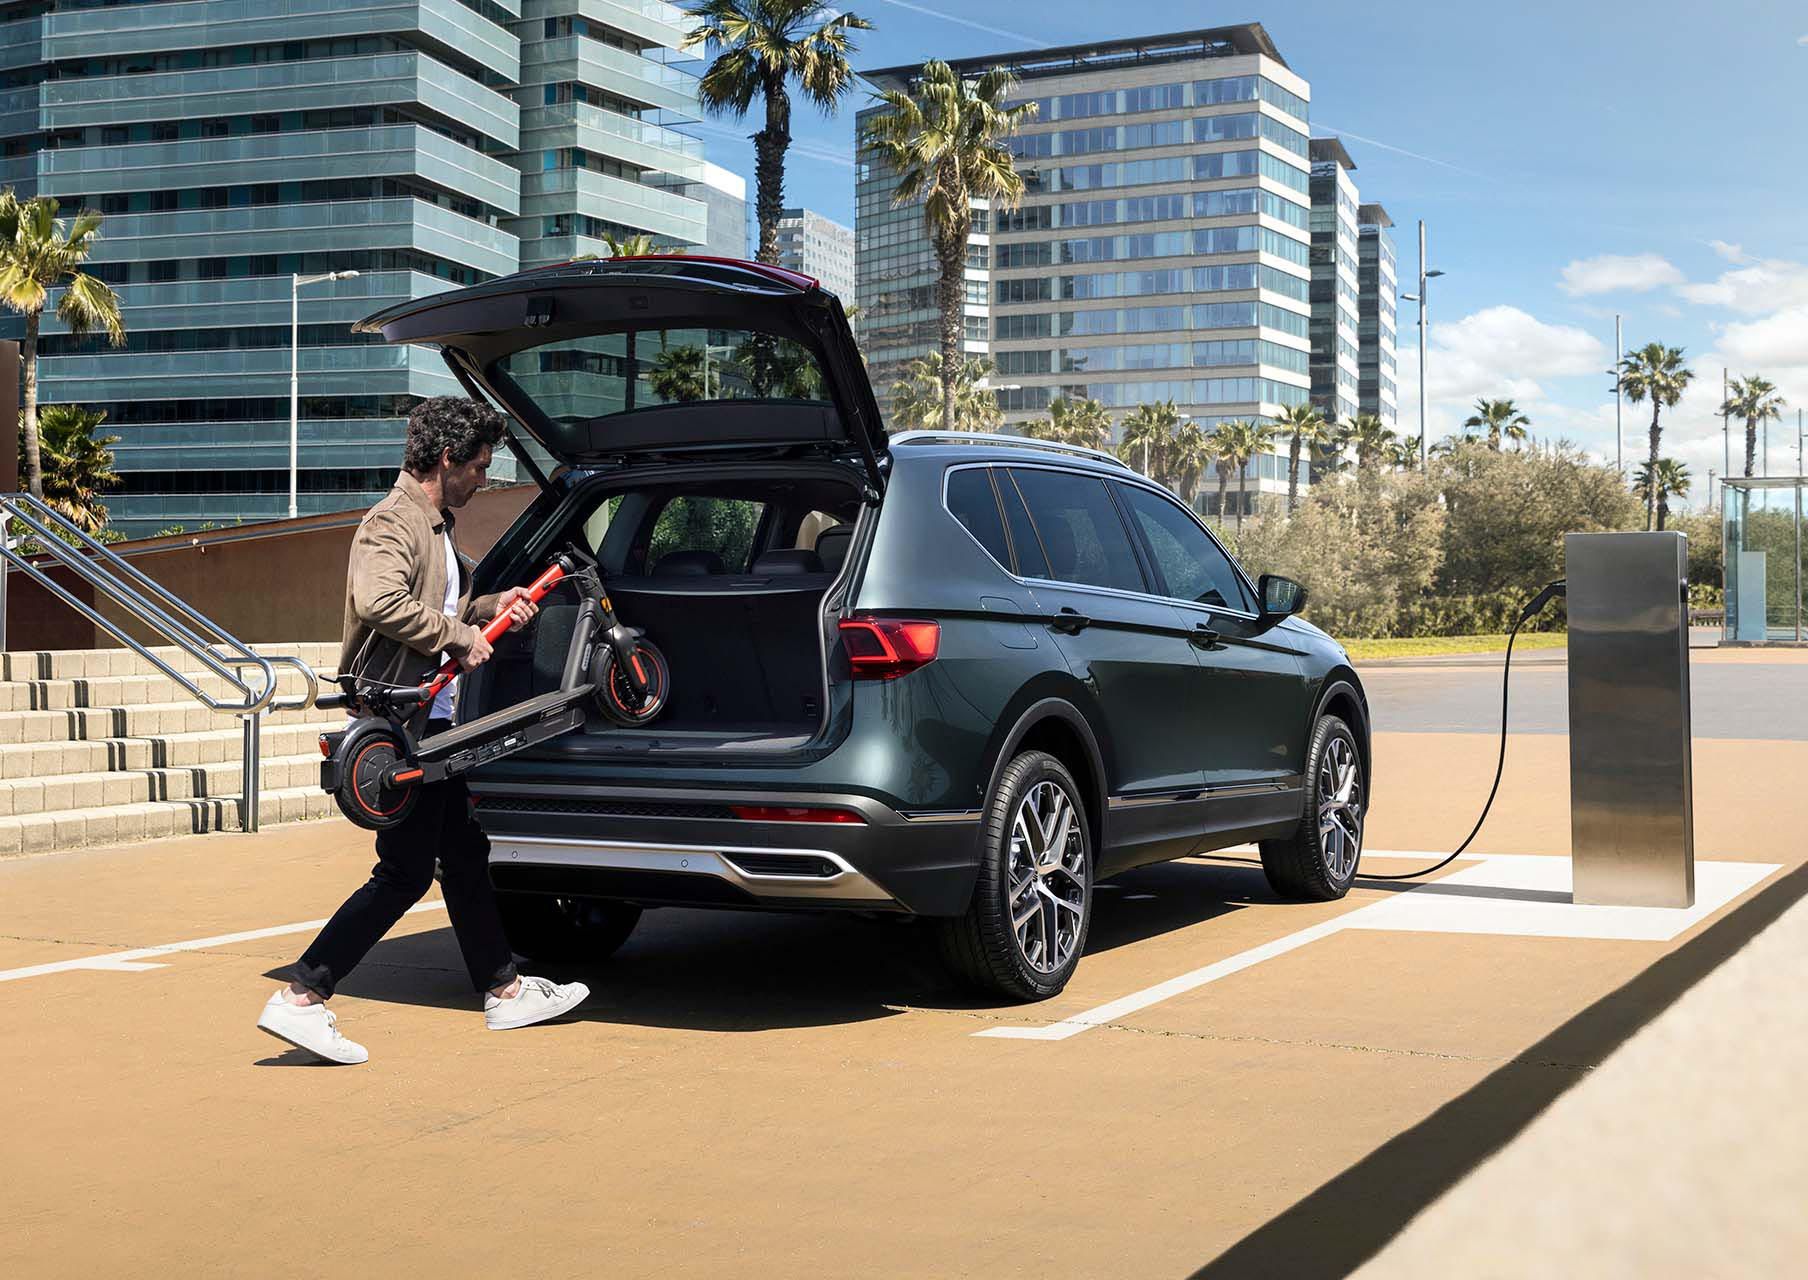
{"x": 395, "y": 591}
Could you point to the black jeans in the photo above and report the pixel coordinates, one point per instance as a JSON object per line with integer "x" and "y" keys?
{"x": 441, "y": 827}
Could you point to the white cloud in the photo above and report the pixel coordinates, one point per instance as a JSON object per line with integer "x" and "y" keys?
{"x": 1618, "y": 273}
{"x": 1760, "y": 286}
{"x": 1498, "y": 353}
{"x": 1731, "y": 252}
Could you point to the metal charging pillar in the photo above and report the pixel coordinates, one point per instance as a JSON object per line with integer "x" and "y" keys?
{"x": 1632, "y": 821}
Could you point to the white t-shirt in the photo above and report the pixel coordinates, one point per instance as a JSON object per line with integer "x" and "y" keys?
{"x": 442, "y": 701}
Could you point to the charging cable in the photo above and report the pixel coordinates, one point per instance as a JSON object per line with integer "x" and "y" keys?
{"x": 1551, "y": 591}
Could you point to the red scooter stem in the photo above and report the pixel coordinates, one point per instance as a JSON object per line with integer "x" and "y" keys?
{"x": 494, "y": 629}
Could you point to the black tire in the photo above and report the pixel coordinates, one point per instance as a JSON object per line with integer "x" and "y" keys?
{"x": 1308, "y": 865}
{"x": 565, "y": 930}
{"x": 982, "y": 947}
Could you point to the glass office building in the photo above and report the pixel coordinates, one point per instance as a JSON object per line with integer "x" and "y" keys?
{"x": 1336, "y": 302}
{"x": 1378, "y": 301}
{"x": 1161, "y": 251}
{"x": 231, "y": 144}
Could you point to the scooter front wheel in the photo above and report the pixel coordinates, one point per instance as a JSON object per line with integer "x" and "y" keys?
{"x": 361, "y": 795}
{"x": 615, "y": 695}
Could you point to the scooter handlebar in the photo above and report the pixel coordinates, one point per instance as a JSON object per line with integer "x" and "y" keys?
{"x": 494, "y": 629}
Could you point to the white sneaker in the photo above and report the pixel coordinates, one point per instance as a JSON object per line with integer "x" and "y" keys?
{"x": 537, "y": 1001}
{"x": 313, "y": 1027}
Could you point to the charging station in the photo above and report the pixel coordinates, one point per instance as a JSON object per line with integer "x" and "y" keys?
{"x": 1632, "y": 821}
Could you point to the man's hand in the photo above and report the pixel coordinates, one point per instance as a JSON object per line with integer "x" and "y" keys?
{"x": 476, "y": 655}
{"x": 519, "y": 606}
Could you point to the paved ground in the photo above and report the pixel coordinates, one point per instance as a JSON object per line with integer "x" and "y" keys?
{"x": 757, "y": 1095}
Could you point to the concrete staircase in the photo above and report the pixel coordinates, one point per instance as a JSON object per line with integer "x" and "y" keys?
{"x": 97, "y": 747}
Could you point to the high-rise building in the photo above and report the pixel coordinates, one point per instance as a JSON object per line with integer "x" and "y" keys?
{"x": 1161, "y": 249}
{"x": 1378, "y": 294}
{"x": 724, "y": 194}
{"x": 1336, "y": 355}
{"x": 424, "y": 144}
{"x": 819, "y": 247}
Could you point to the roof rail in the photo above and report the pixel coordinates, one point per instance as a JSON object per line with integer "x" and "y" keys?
{"x": 1022, "y": 442}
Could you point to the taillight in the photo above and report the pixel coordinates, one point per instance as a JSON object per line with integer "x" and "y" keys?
{"x": 792, "y": 813}
{"x": 326, "y": 748}
{"x": 886, "y": 648}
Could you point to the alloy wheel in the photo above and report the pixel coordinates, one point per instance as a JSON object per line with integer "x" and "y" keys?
{"x": 1048, "y": 877}
{"x": 1339, "y": 809}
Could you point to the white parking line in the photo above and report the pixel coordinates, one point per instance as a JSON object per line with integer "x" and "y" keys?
{"x": 132, "y": 961}
{"x": 1512, "y": 894}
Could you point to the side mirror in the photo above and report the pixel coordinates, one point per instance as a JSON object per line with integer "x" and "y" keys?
{"x": 1281, "y": 597}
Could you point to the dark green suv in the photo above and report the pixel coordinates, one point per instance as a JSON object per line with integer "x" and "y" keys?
{"x": 962, "y": 677}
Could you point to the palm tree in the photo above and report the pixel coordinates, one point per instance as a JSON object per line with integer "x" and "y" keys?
{"x": 945, "y": 141}
{"x": 1306, "y": 425}
{"x": 683, "y": 375}
{"x": 1498, "y": 419}
{"x": 1149, "y": 436}
{"x": 1375, "y": 442}
{"x": 759, "y": 48}
{"x": 1188, "y": 456}
{"x": 1657, "y": 373}
{"x": 38, "y": 253}
{"x": 916, "y": 399}
{"x": 1754, "y": 399}
{"x": 1234, "y": 444}
{"x": 78, "y": 466}
{"x": 1660, "y": 482}
{"x": 638, "y": 245}
{"x": 1078, "y": 421}
{"x": 1401, "y": 455}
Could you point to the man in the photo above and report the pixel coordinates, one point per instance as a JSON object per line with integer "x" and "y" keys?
{"x": 407, "y": 607}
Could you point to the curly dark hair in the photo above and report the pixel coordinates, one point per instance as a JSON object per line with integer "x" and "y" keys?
{"x": 451, "y": 424}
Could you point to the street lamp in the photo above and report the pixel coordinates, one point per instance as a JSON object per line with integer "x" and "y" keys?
{"x": 1419, "y": 297}
{"x": 295, "y": 283}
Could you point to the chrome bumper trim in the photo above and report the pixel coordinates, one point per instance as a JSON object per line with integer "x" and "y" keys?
{"x": 845, "y": 885}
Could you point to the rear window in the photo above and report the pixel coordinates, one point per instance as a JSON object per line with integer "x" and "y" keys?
{"x": 718, "y": 533}
{"x": 577, "y": 379}
{"x": 1081, "y": 532}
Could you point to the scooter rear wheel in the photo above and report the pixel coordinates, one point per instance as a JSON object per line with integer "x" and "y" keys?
{"x": 361, "y": 795}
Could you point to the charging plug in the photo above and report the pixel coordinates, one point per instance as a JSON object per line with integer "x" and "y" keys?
{"x": 1551, "y": 591}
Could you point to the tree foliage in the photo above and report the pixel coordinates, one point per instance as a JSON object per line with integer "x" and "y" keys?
{"x": 78, "y": 465}
{"x": 1398, "y": 552}
{"x": 916, "y": 398}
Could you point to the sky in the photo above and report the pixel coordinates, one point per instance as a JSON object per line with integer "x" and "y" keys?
{"x": 1571, "y": 161}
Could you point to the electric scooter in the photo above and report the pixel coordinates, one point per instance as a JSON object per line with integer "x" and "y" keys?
{"x": 374, "y": 768}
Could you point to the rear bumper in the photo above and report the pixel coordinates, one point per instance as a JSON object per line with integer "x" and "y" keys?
{"x": 685, "y": 847}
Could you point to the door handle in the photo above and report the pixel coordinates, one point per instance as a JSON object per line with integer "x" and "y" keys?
{"x": 1204, "y": 637}
{"x": 1070, "y": 621}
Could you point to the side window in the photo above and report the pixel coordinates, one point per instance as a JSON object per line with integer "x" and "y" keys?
{"x": 971, "y": 500}
{"x": 1031, "y": 563}
{"x": 1189, "y": 561}
{"x": 719, "y": 527}
{"x": 1081, "y": 532}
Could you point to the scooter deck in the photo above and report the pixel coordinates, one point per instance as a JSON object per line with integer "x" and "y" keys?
{"x": 504, "y": 732}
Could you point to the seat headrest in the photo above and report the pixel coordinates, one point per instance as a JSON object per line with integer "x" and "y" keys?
{"x": 788, "y": 561}
{"x": 832, "y": 546}
{"x": 690, "y": 563}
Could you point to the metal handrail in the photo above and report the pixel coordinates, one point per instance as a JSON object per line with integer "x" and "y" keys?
{"x": 1022, "y": 442}
{"x": 162, "y": 611}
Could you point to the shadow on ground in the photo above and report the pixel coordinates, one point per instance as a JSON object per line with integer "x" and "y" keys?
{"x": 760, "y": 971}
{"x": 1349, "y": 1219}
